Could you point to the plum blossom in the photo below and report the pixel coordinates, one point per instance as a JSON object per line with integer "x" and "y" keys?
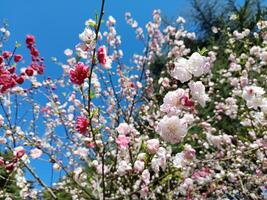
{"x": 68, "y": 52}
{"x": 35, "y": 153}
{"x": 104, "y": 60}
{"x": 123, "y": 141}
{"x": 126, "y": 129}
{"x": 2, "y": 120}
{"x": 79, "y": 74}
{"x": 123, "y": 167}
{"x": 181, "y": 70}
{"x": 152, "y": 145}
{"x": 88, "y": 37}
{"x": 82, "y": 151}
{"x": 30, "y": 39}
{"x": 146, "y": 176}
{"x": 139, "y": 166}
{"x": 82, "y": 124}
{"x": 197, "y": 90}
{"x": 159, "y": 160}
{"x": 123, "y": 129}
{"x": 185, "y": 69}
{"x": 254, "y": 97}
{"x": 172, "y": 129}
{"x": 181, "y": 159}
{"x": 56, "y": 167}
{"x": 175, "y": 101}
{"x": 198, "y": 64}
{"x": 17, "y": 58}
{"x": 19, "y": 152}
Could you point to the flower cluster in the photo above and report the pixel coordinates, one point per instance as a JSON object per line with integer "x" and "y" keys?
{"x": 8, "y": 76}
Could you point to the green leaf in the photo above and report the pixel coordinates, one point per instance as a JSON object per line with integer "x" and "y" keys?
{"x": 91, "y": 23}
{"x": 92, "y": 95}
{"x": 202, "y": 51}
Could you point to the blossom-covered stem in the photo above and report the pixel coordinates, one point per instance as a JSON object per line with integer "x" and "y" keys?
{"x": 115, "y": 94}
{"x": 83, "y": 96}
{"x": 33, "y": 115}
{"x": 60, "y": 116}
{"x": 103, "y": 173}
{"x": 140, "y": 79}
{"x": 16, "y": 110}
{"x": 91, "y": 72}
{"x": 93, "y": 56}
{"x": 9, "y": 122}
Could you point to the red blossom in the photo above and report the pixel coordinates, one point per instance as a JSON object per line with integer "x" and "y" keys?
{"x": 20, "y": 79}
{"x": 6, "y": 80}
{"x": 6, "y": 54}
{"x": 29, "y": 71}
{"x": 82, "y": 124}
{"x": 187, "y": 102}
{"x": 40, "y": 70}
{"x": 30, "y": 39}
{"x": 10, "y": 166}
{"x": 102, "y": 55}
{"x": 20, "y": 153}
{"x": 12, "y": 69}
{"x": 17, "y": 58}
{"x": 78, "y": 74}
{"x": 34, "y": 52}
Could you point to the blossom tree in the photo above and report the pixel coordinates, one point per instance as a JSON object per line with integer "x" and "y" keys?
{"x": 197, "y": 131}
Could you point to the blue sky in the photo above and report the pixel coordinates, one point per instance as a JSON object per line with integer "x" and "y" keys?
{"x": 57, "y": 23}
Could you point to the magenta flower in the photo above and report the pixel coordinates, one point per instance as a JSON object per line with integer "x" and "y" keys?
{"x": 123, "y": 141}
{"x": 30, "y": 40}
{"x": 6, "y": 80}
{"x": 102, "y": 55}
{"x": 17, "y": 58}
{"x": 79, "y": 74}
{"x": 82, "y": 124}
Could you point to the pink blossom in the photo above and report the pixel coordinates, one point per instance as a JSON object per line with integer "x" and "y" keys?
{"x": 17, "y": 58}
{"x": 123, "y": 128}
{"x": 79, "y": 74}
{"x": 102, "y": 57}
{"x": 172, "y": 129}
{"x": 30, "y": 39}
{"x": 153, "y": 146}
{"x": 19, "y": 152}
{"x": 35, "y": 153}
{"x": 201, "y": 173}
{"x": 146, "y": 176}
{"x": 6, "y": 80}
{"x": 82, "y": 124}
{"x": 123, "y": 141}
{"x": 139, "y": 166}
{"x": 189, "y": 152}
{"x": 6, "y": 54}
{"x": 29, "y": 71}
